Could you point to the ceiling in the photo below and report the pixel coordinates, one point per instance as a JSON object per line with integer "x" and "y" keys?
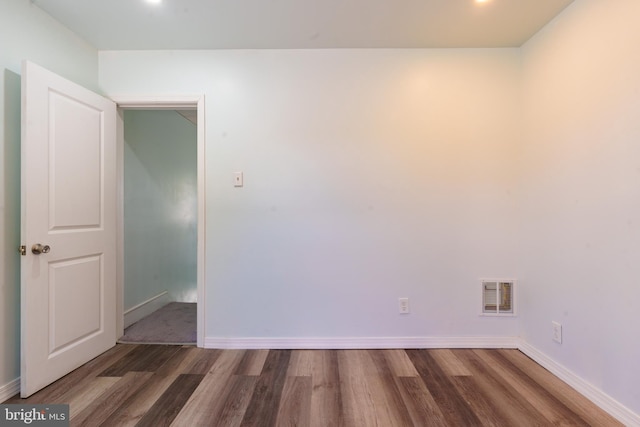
{"x": 292, "y": 24}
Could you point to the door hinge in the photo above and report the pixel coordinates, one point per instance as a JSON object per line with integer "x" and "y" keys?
{"x": 22, "y": 250}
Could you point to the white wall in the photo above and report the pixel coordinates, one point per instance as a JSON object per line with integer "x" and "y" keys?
{"x": 581, "y": 211}
{"x": 25, "y": 33}
{"x": 160, "y": 207}
{"x": 369, "y": 175}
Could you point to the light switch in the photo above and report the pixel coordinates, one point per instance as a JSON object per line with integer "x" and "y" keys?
{"x": 238, "y": 181}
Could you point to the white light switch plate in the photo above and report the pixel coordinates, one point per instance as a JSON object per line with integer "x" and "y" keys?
{"x": 238, "y": 180}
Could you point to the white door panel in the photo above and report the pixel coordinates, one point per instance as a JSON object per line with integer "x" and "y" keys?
{"x": 70, "y": 281}
{"x": 68, "y": 203}
{"x": 74, "y": 203}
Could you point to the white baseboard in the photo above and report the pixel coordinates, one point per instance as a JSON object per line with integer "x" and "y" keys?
{"x": 361, "y": 342}
{"x": 597, "y": 396}
{"x": 9, "y": 390}
{"x": 145, "y": 308}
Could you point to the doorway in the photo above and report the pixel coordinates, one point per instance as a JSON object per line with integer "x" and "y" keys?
{"x": 161, "y": 218}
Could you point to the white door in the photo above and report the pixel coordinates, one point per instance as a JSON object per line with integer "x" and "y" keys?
{"x": 68, "y": 291}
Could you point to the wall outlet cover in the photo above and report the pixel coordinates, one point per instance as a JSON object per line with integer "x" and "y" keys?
{"x": 403, "y": 305}
{"x": 557, "y": 332}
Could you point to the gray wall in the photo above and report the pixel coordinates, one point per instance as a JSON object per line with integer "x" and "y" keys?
{"x": 160, "y": 206}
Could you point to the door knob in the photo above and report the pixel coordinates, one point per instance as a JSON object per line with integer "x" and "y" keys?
{"x": 38, "y": 249}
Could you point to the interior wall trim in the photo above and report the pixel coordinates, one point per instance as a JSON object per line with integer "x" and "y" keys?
{"x": 145, "y": 308}
{"x": 9, "y": 390}
{"x": 165, "y": 102}
{"x": 361, "y": 342}
{"x": 591, "y": 392}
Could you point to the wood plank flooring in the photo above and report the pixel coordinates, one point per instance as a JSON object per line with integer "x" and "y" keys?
{"x": 151, "y": 385}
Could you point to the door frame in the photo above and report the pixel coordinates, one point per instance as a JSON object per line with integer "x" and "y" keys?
{"x": 177, "y": 102}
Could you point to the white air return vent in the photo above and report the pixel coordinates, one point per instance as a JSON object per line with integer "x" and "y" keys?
{"x": 498, "y": 298}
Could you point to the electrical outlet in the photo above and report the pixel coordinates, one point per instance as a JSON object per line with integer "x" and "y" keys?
{"x": 403, "y": 305}
{"x": 557, "y": 332}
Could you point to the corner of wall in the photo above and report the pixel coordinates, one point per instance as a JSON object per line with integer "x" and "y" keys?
{"x": 597, "y": 396}
{"x": 10, "y": 389}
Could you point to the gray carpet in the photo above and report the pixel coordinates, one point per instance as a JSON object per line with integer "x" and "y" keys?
{"x": 175, "y": 323}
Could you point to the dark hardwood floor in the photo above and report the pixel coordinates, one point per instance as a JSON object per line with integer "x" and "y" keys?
{"x": 151, "y": 385}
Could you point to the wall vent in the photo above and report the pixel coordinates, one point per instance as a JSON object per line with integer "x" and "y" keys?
{"x": 498, "y": 298}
